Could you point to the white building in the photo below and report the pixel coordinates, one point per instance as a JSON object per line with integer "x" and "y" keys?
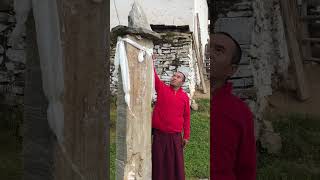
{"x": 167, "y": 12}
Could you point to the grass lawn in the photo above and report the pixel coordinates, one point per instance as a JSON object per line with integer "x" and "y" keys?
{"x": 298, "y": 160}
{"x": 10, "y": 156}
{"x": 196, "y": 153}
{"x": 300, "y": 155}
{"x": 10, "y": 147}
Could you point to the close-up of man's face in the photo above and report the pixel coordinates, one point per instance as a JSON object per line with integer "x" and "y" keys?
{"x": 177, "y": 79}
{"x": 222, "y": 50}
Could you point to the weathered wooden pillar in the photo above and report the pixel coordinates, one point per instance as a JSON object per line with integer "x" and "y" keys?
{"x": 66, "y": 107}
{"x": 83, "y": 153}
{"x": 133, "y": 158}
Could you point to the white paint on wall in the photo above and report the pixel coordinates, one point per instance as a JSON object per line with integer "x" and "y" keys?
{"x": 201, "y": 7}
{"x": 168, "y": 12}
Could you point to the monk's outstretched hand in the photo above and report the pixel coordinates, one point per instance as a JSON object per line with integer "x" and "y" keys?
{"x": 154, "y": 57}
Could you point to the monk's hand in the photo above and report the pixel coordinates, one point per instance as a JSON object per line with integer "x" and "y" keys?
{"x": 154, "y": 57}
{"x": 185, "y": 142}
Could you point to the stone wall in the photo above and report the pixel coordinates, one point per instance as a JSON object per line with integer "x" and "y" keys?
{"x": 172, "y": 51}
{"x": 258, "y": 27}
{"x": 237, "y": 19}
{"x": 315, "y": 29}
{"x": 12, "y": 61}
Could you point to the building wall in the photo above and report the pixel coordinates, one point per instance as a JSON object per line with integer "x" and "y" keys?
{"x": 257, "y": 25}
{"x": 201, "y": 7}
{"x": 167, "y": 12}
{"x": 172, "y": 51}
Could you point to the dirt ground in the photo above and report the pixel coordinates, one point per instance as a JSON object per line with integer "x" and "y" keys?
{"x": 284, "y": 102}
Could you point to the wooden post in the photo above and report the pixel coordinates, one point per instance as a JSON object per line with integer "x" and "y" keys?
{"x": 133, "y": 158}
{"x": 198, "y": 50}
{"x": 83, "y": 153}
{"x": 290, "y": 18}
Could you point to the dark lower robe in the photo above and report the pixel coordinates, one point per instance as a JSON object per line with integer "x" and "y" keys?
{"x": 167, "y": 156}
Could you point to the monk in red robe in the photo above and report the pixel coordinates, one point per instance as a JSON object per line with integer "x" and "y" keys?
{"x": 171, "y": 117}
{"x": 232, "y": 148}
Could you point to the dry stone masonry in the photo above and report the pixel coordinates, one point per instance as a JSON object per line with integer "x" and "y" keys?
{"x": 172, "y": 51}
{"x": 12, "y": 61}
{"x": 175, "y": 50}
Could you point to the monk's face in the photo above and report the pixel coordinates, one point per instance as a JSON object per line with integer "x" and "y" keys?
{"x": 177, "y": 80}
{"x": 222, "y": 49}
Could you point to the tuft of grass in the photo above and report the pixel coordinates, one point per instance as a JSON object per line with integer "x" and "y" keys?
{"x": 300, "y": 155}
{"x": 112, "y": 151}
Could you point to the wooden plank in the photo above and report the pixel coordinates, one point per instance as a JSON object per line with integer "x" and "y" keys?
{"x": 313, "y": 59}
{"x": 133, "y": 122}
{"x": 83, "y": 154}
{"x": 199, "y": 56}
{"x": 289, "y": 15}
{"x": 304, "y": 17}
{"x": 199, "y": 36}
{"x": 311, "y": 39}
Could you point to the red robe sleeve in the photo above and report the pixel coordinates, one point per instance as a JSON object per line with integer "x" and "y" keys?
{"x": 158, "y": 83}
{"x": 186, "y": 122}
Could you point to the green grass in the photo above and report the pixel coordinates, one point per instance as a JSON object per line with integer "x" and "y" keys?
{"x": 10, "y": 145}
{"x": 10, "y": 156}
{"x": 299, "y": 158}
{"x": 196, "y": 153}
